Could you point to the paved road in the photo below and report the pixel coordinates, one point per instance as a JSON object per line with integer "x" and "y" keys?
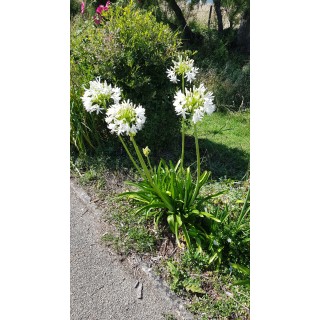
{"x": 101, "y": 286}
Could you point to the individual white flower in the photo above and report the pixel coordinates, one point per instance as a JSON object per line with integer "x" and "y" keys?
{"x": 172, "y": 76}
{"x": 99, "y": 94}
{"x": 196, "y": 102}
{"x": 215, "y": 242}
{"x": 229, "y": 240}
{"x": 125, "y": 118}
{"x": 197, "y": 115}
{"x": 191, "y": 75}
{"x": 179, "y": 102}
{"x": 182, "y": 67}
{"x": 116, "y": 95}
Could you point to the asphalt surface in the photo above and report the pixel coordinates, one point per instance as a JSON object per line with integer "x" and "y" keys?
{"x": 101, "y": 286}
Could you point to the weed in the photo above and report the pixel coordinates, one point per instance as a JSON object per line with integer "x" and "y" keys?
{"x": 134, "y": 233}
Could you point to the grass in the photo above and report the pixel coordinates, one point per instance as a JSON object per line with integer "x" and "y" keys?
{"x": 134, "y": 232}
{"x": 224, "y": 140}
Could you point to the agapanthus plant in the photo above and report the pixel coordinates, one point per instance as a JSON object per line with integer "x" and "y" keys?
{"x": 195, "y": 102}
{"x": 167, "y": 190}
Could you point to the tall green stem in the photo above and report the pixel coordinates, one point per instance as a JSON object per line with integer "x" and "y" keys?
{"x": 197, "y": 151}
{"x": 150, "y": 166}
{"x": 196, "y": 190}
{"x": 148, "y": 175}
{"x": 183, "y": 128}
{"x": 182, "y": 141}
{"x": 130, "y": 155}
{"x": 142, "y": 162}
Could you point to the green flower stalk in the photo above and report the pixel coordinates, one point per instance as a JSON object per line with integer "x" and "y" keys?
{"x": 185, "y": 69}
{"x": 162, "y": 196}
{"x": 130, "y": 156}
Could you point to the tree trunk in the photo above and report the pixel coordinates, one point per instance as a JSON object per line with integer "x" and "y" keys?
{"x": 217, "y": 8}
{"x": 188, "y": 34}
{"x": 243, "y": 34}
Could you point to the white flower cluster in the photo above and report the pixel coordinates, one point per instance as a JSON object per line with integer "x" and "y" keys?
{"x": 182, "y": 67}
{"x": 98, "y": 94}
{"x": 195, "y": 102}
{"x": 125, "y": 118}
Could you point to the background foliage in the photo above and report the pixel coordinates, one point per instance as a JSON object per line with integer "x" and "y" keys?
{"x": 132, "y": 50}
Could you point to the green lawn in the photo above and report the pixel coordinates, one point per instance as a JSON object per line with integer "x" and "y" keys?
{"x": 224, "y": 144}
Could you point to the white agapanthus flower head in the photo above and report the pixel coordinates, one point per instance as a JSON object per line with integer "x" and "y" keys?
{"x": 183, "y": 67}
{"x": 125, "y": 118}
{"x": 99, "y": 94}
{"x": 196, "y": 102}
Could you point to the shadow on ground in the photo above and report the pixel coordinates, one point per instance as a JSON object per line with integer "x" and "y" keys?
{"x": 222, "y": 161}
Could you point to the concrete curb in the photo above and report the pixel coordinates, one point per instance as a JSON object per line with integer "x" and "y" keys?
{"x": 173, "y": 301}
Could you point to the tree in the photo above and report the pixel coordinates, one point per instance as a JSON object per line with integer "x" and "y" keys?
{"x": 243, "y": 34}
{"x": 188, "y": 34}
{"x": 217, "y": 8}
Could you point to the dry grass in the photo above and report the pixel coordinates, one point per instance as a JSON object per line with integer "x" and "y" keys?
{"x": 200, "y": 14}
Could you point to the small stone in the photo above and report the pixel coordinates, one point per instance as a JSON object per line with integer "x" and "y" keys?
{"x": 139, "y": 291}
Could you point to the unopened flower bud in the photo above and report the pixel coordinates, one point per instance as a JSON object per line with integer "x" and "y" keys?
{"x": 146, "y": 151}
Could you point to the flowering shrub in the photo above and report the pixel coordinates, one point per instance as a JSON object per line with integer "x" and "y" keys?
{"x": 131, "y": 50}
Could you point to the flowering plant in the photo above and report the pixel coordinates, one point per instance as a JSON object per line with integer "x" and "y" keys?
{"x": 166, "y": 190}
{"x": 185, "y": 209}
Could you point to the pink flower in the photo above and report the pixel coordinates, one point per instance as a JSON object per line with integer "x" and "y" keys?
{"x": 99, "y": 10}
{"x": 83, "y": 5}
{"x": 103, "y": 8}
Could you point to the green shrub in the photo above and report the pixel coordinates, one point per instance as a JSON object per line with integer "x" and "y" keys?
{"x": 131, "y": 50}
{"x": 74, "y": 7}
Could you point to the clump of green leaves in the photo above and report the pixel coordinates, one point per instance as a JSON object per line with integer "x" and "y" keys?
{"x": 171, "y": 194}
